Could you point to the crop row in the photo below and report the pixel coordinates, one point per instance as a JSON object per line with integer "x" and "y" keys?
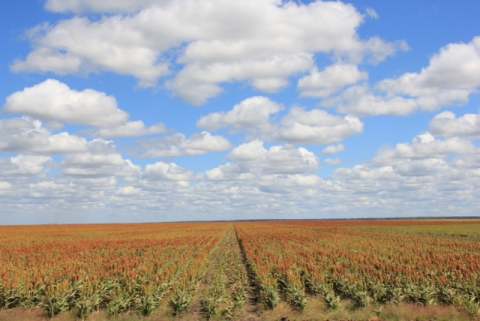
{"x": 224, "y": 287}
{"x": 363, "y": 263}
{"x": 116, "y": 270}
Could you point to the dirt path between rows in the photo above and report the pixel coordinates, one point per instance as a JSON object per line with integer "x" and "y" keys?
{"x": 228, "y": 263}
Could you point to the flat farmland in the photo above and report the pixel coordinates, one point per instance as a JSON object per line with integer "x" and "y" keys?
{"x": 269, "y": 270}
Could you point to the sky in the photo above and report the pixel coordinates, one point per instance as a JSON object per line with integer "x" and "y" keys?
{"x": 162, "y": 110}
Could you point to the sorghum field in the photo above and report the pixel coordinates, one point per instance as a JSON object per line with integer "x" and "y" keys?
{"x": 277, "y": 270}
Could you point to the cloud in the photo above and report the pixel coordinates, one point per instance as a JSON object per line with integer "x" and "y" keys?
{"x": 254, "y": 117}
{"x": 167, "y": 171}
{"x": 449, "y": 79}
{"x": 55, "y": 101}
{"x": 93, "y": 165}
{"x": 75, "y": 43}
{"x": 279, "y": 169}
{"x": 424, "y": 155}
{"x": 48, "y": 189}
{"x": 131, "y": 129}
{"x": 179, "y": 145}
{"x": 52, "y": 100}
{"x": 255, "y": 158}
{"x": 5, "y": 187}
{"x": 330, "y": 80}
{"x": 426, "y": 146}
{"x": 333, "y": 161}
{"x": 129, "y": 191}
{"x": 23, "y": 165}
{"x": 317, "y": 127}
{"x": 26, "y": 135}
{"x": 372, "y": 13}
{"x": 448, "y": 125}
{"x": 44, "y": 60}
{"x": 28, "y": 164}
{"x": 333, "y": 149}
{"x": 426, "y": 176}
{"x": 361, "y": 101}
{"x": 212, "y": 42}
{"x": 100, "y": 160}
{"x": 252, "y": 113}
{"x": 283, "y": 184}
{"x": 99, "y": 6}
{"x": 198, "y": 82}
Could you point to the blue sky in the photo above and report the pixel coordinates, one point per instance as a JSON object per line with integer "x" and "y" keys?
{"x": 268, "y": 109}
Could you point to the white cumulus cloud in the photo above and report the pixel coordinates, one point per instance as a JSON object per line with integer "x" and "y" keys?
{"x": 259, "y": 42}
{"x": 252, "y": 113}
{"x": 330, "y": 80}
{"x": 254, "y": 116}
{"x": 52, "y": 100}
{"x": 317, "y": 127}
{"x": 55, "y": 101}
{"x": 449, "y": 79}
{"x": 447, "y": 124}
{"x": 27, "y": 135}
{"x": 180, "y": 145}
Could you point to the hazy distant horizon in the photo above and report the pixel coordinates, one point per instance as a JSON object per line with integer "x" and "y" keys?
{"x": 379, "y": 218}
